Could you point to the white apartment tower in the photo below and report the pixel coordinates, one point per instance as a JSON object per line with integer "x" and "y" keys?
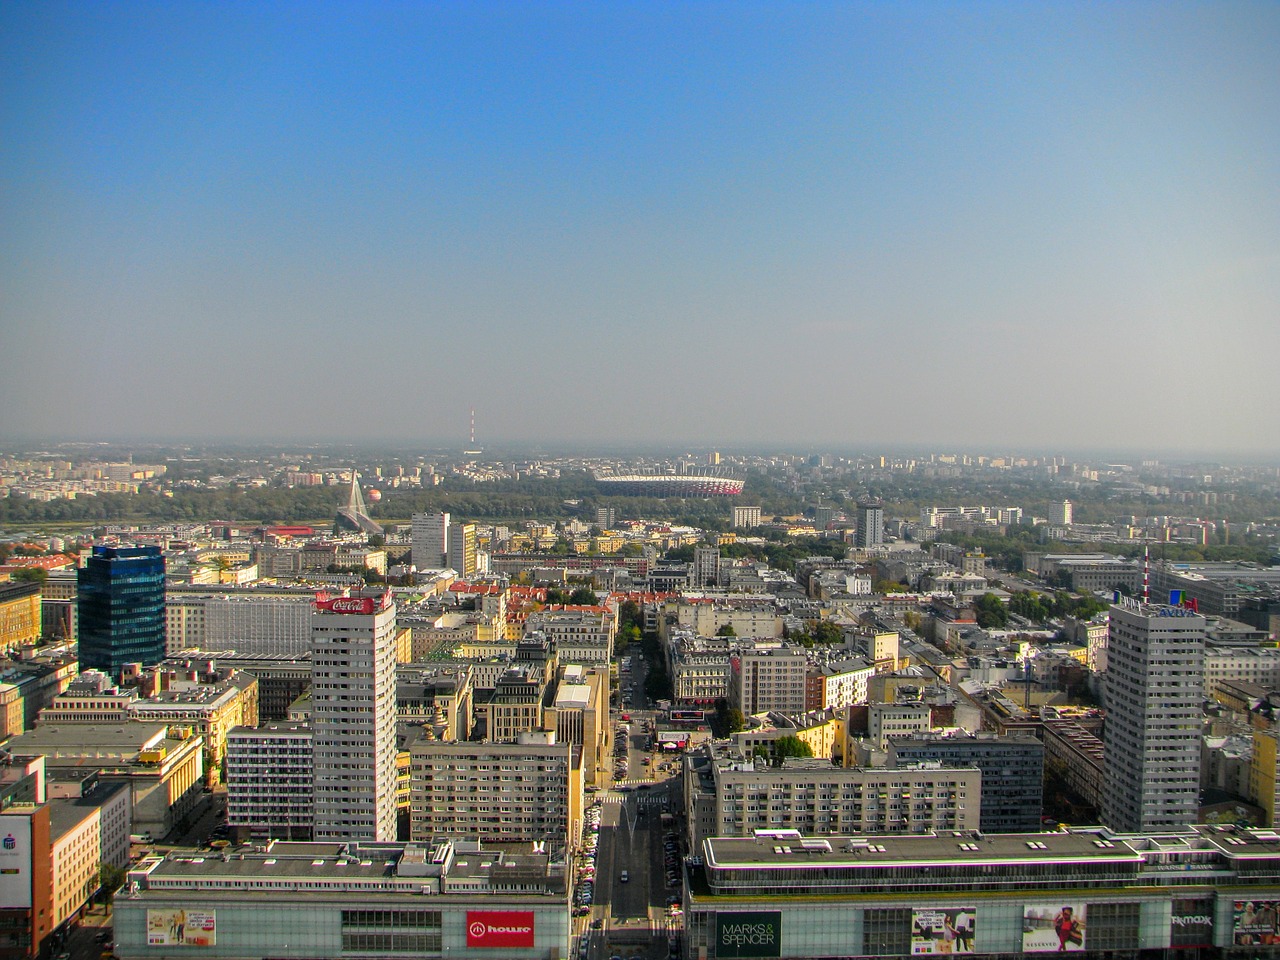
{"x": 430, "y": 535}
{"x": 1151, "y": 765}
{"x": 870, "y": 530}
{"x": 746, "y": 518}
{"x": 353, "y": 718}
{"x": 461, "y": 552}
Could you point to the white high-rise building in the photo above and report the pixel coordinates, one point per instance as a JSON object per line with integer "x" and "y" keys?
{"x": 746, "y": 518}
{"x": 430, "y": 533}
{"x": 353, "y": 718}
{"x": 1154, "y": 686}
{"x": 870, "y": 531}
{"x": 462, "y": 548}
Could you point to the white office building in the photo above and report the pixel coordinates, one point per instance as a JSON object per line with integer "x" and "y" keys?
{"x": 1154, "y": 692}
{"x": 430, "y": 547}
{"x": 274, "y": 626}
{"x": 353, "y": 718}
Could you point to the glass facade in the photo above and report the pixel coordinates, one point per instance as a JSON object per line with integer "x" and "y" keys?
{"x": 121, "y": 608}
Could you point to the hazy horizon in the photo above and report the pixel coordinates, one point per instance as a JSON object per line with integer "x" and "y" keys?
{"x": 826, "y": 227}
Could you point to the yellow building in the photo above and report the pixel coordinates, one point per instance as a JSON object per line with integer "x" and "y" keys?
{"x": 1264, "y": 773}
{"x": 19, "y": 614}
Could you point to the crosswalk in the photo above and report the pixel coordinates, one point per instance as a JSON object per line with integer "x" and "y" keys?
{"x": 643, "y": 799}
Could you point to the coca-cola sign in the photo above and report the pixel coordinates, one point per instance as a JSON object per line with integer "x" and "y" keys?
{"x": 365, "y": 605}
{"x": 499, "y": 928}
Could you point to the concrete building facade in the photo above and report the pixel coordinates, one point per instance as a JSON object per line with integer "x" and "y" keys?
{"x": 1154, "y": 694}
{"x": 353, "y": 692}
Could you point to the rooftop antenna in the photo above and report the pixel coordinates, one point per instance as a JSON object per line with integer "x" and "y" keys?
{"x": 1146, "y": 573}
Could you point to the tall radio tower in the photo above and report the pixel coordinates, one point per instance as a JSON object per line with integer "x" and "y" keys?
{"x": 473, "y": 449}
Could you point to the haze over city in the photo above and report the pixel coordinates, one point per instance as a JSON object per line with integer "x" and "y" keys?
{"x": 1048, "y": 225}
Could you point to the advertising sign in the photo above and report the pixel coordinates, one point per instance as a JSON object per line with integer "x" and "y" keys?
{"x": 365, "y": 605}
{"x": 1254, "y": 923}
{"x": 1191, "y": 924}
{"x": 757, "y": 934}
{"x": 15, "y": 861}
{"x": 499, "y": 928}
{"x": 942, "y": 930}
{"x": 1052, "y": 927}
{"x": 181, "y": 928}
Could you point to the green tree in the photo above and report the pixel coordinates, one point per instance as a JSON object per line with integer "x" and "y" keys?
{"x": 824, "y": 631}
{"x": 111, "y": 878}
{"x": 990, "y": 611}
{"x": 584, "y": 596}
{"x": 726, "y": 720}
{"x": 727, "y": 631}
{"x": 789, "y": 746}
{"x": 30, "y": 575}
{"x": 629, "y": 615}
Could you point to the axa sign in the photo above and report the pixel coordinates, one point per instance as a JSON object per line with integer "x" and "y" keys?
{"x": 499, "y": 928}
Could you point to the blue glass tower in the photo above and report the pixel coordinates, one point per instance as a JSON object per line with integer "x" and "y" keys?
{"x": 121, "y": 608}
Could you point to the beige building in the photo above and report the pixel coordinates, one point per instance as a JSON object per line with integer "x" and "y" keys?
{"x": 85, "y": 833}
{"x": 755, "y": 618}
{"x": 733, "y": 796}
{"x": 580, "y": 716}
{"x": 582, "y": 635}
{"x": 769, "y": 680}
{"x": 208, "y": 709}
{"x": 438, "y": 696}
{"x": 525, "y": 791}
{"x": 164, "y": 773}
{"x": 19, "y": 615}
{"x": 30, "y": 685}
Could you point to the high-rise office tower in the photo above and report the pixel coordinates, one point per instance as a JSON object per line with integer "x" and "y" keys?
{"x": 120, "y": 608}
{"x": 353, "y": 718}
{"x": 462, "y": 548}
{"x": 870, "y": 532}
{"x": 430, "y": 534}
{"x": 1151, "y": 741}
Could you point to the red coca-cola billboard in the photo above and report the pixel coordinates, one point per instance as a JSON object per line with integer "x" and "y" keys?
{"x": 365, "y": 605}
{"x": 499, "y": 928}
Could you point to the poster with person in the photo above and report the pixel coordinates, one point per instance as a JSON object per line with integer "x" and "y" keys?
{"x": 942, "y": 930}
{"x": 1255, "y": 923}
{"x": 1053, "y": 927}
{"x": 181, "y": 928}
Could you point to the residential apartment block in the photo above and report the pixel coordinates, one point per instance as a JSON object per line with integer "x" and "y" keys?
{"x": 530, "y": 790}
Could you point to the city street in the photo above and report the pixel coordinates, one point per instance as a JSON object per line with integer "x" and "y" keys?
{"x": 630, "y": 918}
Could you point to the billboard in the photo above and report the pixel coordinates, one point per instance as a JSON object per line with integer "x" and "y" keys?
{"x": 15, "y": 861}
{"x": 364, "y": 605}
{"x": 1191, "y": 924}
{"x": 499, "y": 928}
{"x": 181, "y": 928}
{"x": 1052, "y": 927}
{"x": 1254, "y": 923}
{"x": 757, "y": 934}
{"x": 942, "y": 930}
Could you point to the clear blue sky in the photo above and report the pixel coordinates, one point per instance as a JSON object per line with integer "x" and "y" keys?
{"x": 1026, "y": 225}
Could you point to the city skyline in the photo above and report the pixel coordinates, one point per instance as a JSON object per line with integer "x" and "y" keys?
{"x": 803, "y": 227}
